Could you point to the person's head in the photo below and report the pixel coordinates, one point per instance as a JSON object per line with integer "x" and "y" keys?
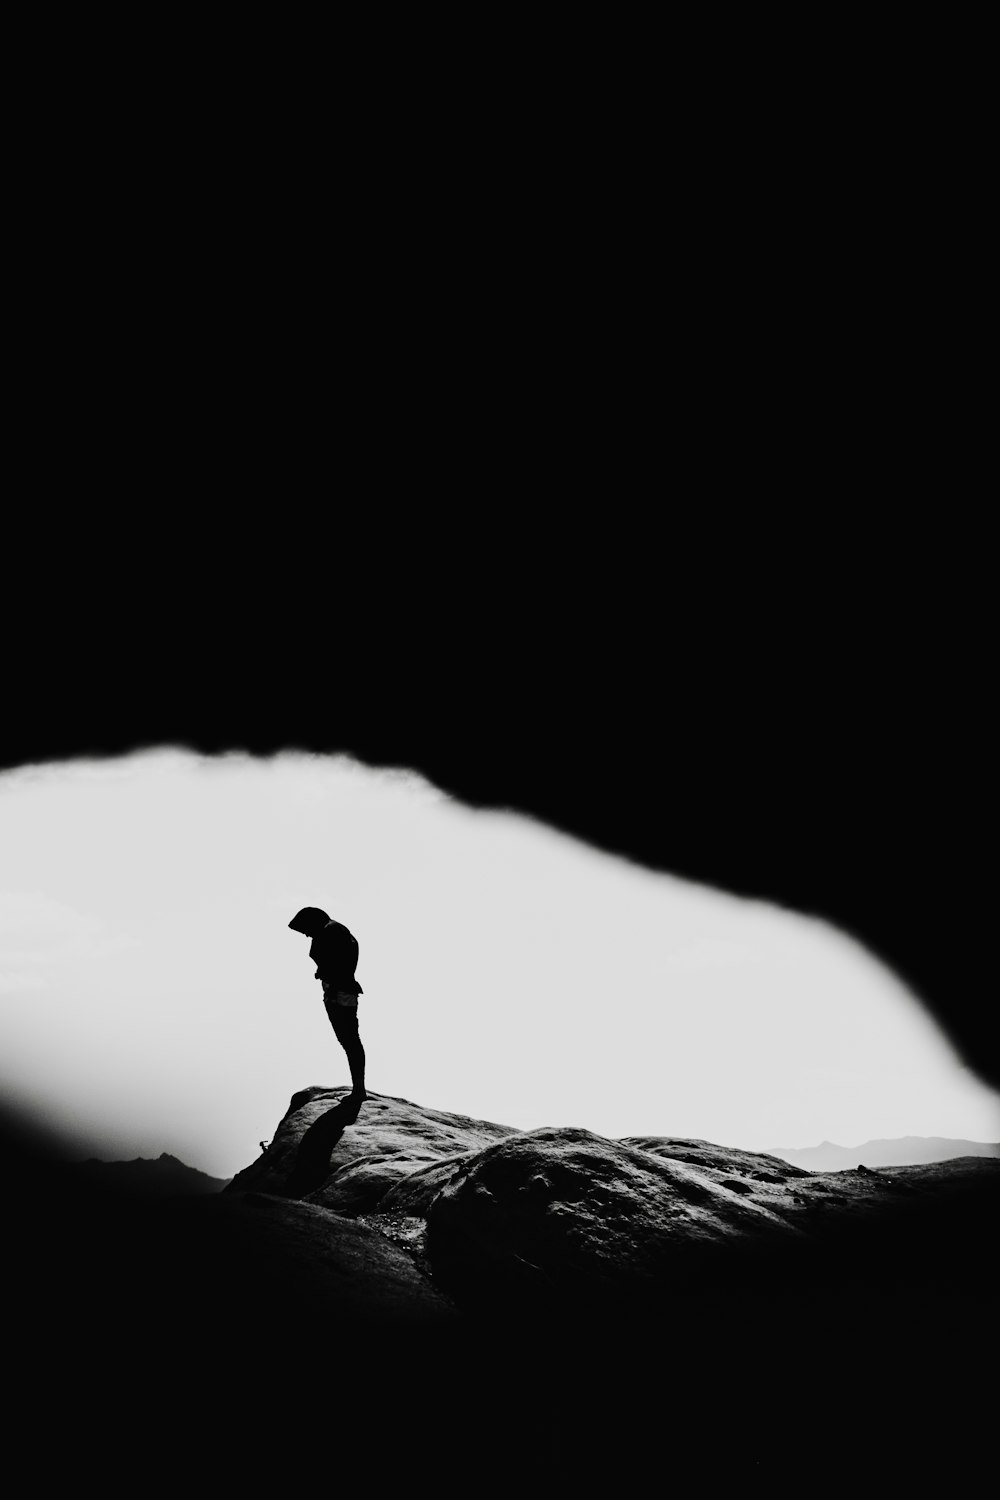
{"x": 310, "y": 920}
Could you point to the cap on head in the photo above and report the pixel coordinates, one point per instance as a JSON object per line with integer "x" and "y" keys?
{"x": 309, "y": 920}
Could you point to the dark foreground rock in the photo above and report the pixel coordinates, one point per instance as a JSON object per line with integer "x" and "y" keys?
{"x": 567, "y": 1217}
{"x": 552, "y": 1218}
{"x": 464, "y": 1307}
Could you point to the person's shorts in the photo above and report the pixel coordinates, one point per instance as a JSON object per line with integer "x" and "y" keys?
{"x": 342, "y": 1011}
{"x": 338, "y": 997}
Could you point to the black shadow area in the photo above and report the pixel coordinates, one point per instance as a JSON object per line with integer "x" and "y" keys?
{"x": 313, "y": 1160}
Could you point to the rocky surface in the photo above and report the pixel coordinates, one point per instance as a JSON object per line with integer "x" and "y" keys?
{"x": 452, "y": 1302}
{"x": 502, "y": 1220}
{"x": 565, "y": 1211}
{"x": 368, "y": 1153}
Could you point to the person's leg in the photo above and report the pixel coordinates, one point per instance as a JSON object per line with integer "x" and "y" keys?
{"x": 345, "y": 1027}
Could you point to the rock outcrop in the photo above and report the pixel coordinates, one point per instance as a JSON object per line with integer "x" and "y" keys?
{"x": 368, "y": 1152}
{"x": 502, "y": 1220}
{"x": 397, "y": 1295}
{"x": 562, "y": 1211}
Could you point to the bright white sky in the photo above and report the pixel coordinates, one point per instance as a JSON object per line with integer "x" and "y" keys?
{"x": 153, "y": 999}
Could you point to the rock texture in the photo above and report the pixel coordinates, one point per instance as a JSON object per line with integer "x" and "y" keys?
{"x": 393, "y": 1296}
{"x": 562, "y": 1210}
{"x": 559, "y": 1218}
{"x": 368, "y": 1153}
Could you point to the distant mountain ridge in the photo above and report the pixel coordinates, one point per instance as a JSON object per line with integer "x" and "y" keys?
{"x": 903, "y": 1151}
{"x": 166, "y": 1175}
{"x": 144, "y": 1177}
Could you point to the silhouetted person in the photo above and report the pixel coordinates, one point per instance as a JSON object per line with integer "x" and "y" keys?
{"x": 334, "y": 950}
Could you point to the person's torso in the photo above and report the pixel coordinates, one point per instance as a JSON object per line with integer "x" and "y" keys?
{"x": 334, "y": 951}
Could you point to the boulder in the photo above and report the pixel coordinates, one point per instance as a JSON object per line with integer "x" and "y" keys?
{"x": 561, "y": 1213}
{"x": 360, "y": 1154}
